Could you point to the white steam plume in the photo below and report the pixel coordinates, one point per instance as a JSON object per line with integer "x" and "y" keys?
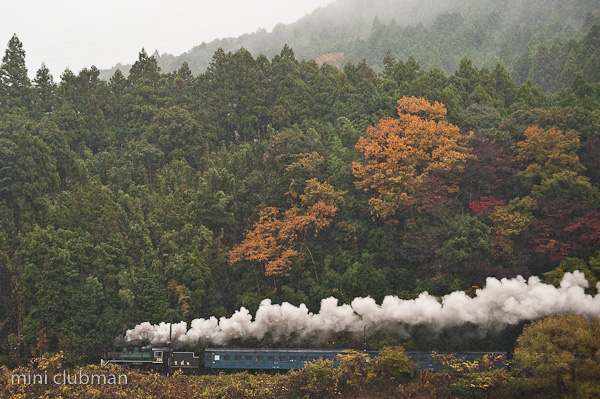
{"x": 501, "y": 303}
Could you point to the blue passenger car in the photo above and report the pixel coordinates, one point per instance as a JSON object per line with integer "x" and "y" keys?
{"x": 265, "y": 359}
{"x": 289, "y": 359}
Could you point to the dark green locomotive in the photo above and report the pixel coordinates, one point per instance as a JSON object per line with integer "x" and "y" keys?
{"x": 158, "y": 360}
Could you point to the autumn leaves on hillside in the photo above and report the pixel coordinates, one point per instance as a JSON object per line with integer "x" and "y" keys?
{"x": 278, "y": 239}
{"x": 157, "y": 196}
{"x": 401, "y": 155}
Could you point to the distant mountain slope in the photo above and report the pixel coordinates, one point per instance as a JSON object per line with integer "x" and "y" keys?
{"x": 437, "y": 33}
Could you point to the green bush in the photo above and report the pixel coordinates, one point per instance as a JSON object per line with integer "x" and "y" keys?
{"x": 355, "y": 368}
{"x": 392, "y": 362}
{"x": 589, "y": 390}
{"x": 474, "y": 379}
{"x": 317, "y": 378}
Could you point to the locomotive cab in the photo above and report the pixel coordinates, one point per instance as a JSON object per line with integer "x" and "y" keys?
{"x": 160, "y": 359}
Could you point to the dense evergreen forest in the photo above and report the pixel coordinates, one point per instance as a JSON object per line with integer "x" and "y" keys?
{"x": 537, "y": 39}
{"x": 173, "y": 195}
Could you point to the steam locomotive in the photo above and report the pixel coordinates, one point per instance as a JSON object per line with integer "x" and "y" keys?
{"x": 165, "y": 360}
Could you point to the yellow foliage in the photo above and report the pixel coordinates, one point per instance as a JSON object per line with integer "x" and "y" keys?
{"x": 564, "y": 349}
{"x": 511, "y": 220}
{"x": 550, "y": 151}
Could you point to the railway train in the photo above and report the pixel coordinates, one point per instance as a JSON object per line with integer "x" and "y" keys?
{"x": 165, "y": 360}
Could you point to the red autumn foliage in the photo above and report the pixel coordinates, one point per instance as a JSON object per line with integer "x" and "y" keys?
{"x": 485, "y": 205}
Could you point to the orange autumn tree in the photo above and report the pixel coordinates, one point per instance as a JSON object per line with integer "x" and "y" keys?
{"x": 400, "y": 153}
{"x": 279, "y": 238}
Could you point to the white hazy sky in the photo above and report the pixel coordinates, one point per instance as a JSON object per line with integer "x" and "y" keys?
{"x": 82, "y": 33}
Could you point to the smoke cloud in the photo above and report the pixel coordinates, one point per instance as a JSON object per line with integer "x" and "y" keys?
{"x": 501, "y": 303}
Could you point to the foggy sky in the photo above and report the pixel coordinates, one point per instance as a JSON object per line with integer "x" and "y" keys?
{"x": 78, "y": 34}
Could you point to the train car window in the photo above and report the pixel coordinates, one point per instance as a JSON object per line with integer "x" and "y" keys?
{"x": 282, "y": 358}
{"x": 270, "y": 358}
{"x": 303, "y": 358}
{"x": 260, "y": 358}
{"x": 158, "y": 354}
{"x": 226, "y": 358}
{"x": 248, "y": 358}
{"x": 292, "y": 358}
{"x": 237, "y": 357}
{"x": 217, "y": 357}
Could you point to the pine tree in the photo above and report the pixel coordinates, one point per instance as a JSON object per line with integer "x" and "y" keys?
{"x": 43, "y": 91}
{"x": 15, "y": 85}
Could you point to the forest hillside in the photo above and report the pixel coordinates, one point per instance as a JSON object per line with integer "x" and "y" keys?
{"x": 171, "y": 196}
{"x": 531, "y": 38}
{"x": 439, "y": 157}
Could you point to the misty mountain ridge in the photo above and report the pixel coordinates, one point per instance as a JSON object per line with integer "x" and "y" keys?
{"x": 437, "y": 33}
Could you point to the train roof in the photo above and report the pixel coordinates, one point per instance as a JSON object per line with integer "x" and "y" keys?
{"x": 283, "y": 350}
{"x": 330, "y": 350}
